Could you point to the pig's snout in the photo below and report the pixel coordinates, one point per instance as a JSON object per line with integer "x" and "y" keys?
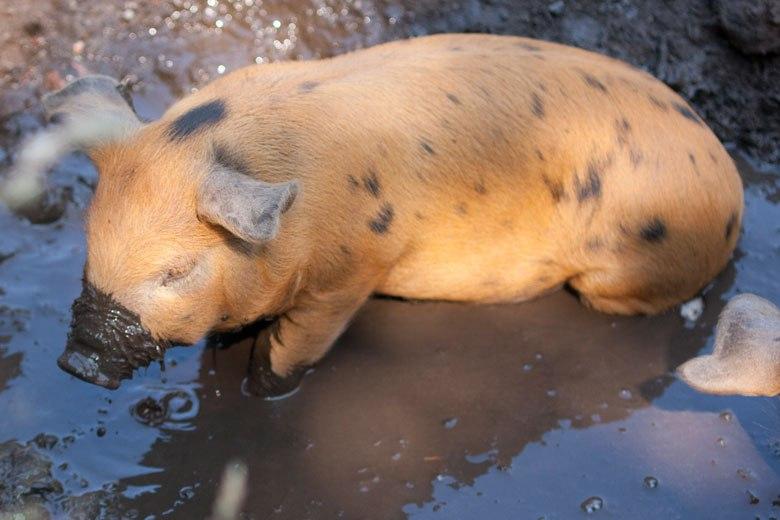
{"x": 106, "y": 341}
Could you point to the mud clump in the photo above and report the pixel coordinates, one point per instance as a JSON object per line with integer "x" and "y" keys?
{"x": 28, "y": 488}
{"x": 25, "y": 478}
{"x": 150, "y": 411}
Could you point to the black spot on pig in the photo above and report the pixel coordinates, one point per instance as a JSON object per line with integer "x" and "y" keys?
{"x": 592, "y": 81}
{"x": 712, "y": 156}
{"x": 653, "y": 231}
{"x": 730, "y": 225}
{"x": 555, "y": 188}
{"x": 308, "y": 86}
{"x": 427, "y": 148}
{"x": 687, "y": 113}
{"x": 198, "y": 118}
{"x": 658, "y": 103}
{"x": 480, "y": 188}
{"x": 692, "y": 158}
{"x": 344, "y": 249}
{"x": 528, "y": 47}
{"x": 381, "y": 222}
{"x": 353, "y": 182}
{"x": 539, "y": 154}
{"x": 537, "y": 105}
{"x": 231, "y": 159}
{"x": 590, "y": 186}
{"x": 461, "y": 208}
{"x": 453, "y": 98}
{"x": 371, "y": 183}
{"x": 623, "y": 129}
{"x": 456, "y": 49}
{"x": 636, "y": 157}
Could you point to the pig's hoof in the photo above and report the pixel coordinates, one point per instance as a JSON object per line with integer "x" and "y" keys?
{"x": 264, "y": 382}
{"x": 261, "y": 380}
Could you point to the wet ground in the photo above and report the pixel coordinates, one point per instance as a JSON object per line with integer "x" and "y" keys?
{"x": 425, "y": 410}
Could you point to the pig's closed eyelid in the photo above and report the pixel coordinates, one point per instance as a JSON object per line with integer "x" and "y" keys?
{"x": 178, "y": 273}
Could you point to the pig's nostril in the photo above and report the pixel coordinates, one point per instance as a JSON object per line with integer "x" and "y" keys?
{"x": 86, "y": 366}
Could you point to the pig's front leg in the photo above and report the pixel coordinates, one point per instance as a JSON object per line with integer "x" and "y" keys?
{"x": 301, "y": 337}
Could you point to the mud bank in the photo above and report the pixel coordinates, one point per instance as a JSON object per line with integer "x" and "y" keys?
{"x": 423, "y": 410}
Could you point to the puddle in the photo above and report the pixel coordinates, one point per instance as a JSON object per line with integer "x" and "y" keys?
{"x": 539, "y": 410}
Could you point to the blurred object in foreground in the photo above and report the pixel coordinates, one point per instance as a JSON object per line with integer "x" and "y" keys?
{"x": 232, "y": 492}
{"x": 746, "y": 358}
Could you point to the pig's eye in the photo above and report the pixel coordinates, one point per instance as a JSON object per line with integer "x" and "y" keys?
{"x": 176, "y": 274}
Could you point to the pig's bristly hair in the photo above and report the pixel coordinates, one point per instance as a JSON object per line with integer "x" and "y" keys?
{"x": 26, "y": 180}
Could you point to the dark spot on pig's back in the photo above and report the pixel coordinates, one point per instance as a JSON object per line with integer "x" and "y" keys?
{"x": 196, "y": 119}
{"x": 308, "y": 86}
{"x": 687, "y": 113}
{"x": 380, "y": 224}
{"x": 371, "y": 183}
{"x": 593, "y": 82}
{"x": 528, "y": 47}
{"x": 555, "y": 188}
{"x": 732, "y": 222}
{"x": 590, "y": 186}
{"x": 654, "y": 231}
{"x": 537, "y": 105}
{"x": 427, "y": 148}
{"x": 453, "y": 98}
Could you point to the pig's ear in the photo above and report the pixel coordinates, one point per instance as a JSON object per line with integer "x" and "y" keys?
{"x": 247, "y": 207}
{"x": 97, "y": 102}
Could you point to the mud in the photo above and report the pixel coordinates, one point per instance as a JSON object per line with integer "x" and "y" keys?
{"x": 423, "y": 410}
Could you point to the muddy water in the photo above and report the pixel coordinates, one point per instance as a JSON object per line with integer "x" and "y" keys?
{"x": 539, "y": 410}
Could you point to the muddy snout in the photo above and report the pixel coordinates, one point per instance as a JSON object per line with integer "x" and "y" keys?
{"x": 106, "y": 341}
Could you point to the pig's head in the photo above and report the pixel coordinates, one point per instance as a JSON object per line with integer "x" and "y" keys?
{"x": 176, "y": 233}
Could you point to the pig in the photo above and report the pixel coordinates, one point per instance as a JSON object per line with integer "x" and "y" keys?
{"x": 746, "y": 356}
{"x": 468, "y": 168}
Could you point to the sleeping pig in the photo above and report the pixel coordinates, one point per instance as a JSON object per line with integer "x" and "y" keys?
{"x": 470, "y": 168}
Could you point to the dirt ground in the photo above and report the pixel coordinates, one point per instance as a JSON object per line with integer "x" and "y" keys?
{"x": 539, "y": 410}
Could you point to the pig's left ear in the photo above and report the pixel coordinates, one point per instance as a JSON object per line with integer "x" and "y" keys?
{"x": 247, "y": 207}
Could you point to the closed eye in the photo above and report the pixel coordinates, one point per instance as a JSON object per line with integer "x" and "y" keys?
{"x": 177, "y": 274}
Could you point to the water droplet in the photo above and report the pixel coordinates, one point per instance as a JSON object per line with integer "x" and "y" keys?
{"x": 552, "y": 392}
{"x": 592, "y": 504}
{"x": 101, "y": 431}
{"x": 527, "y": 367}
{"x": 726, "y": 417}
{"x": 721, "y": 442}
{"x": 625, "y": 394}
{"x": 450, "y": 423}
{"x": 538, "y": 356}
{"x": 752, "y": 499}
{"x": 152, "y": 31}
{"x": 396, "y": 456}
{"x": 651, "y": 482}
{"x": 220, "y": 69}
{"x": 277, "y": 24}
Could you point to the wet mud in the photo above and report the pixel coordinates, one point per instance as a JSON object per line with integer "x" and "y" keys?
{"x": 423, "y": 410}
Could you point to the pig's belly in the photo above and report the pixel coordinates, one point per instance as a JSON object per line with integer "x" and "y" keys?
{"x": 476, "y": 266}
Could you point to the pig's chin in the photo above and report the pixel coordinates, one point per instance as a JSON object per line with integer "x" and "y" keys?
{"x": 106, "y": 342}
